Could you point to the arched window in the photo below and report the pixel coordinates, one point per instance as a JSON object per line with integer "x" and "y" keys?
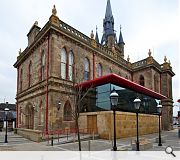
{"x": 21, "y": 79}
{"x": 141, "y": 80}
{"x": 86, "y": 69}
{"x": 63, "y": 64}
{"x": 71, "y": 63}
{"x": 30, "y": 74}
{"x": 99, "y": 70}
{"x": 29, "y": 116}
{"x": 43, "y": 65}
{"x": 67, "y": 111}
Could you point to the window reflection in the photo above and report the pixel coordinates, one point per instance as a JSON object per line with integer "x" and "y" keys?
{"x": 99, "y": 100}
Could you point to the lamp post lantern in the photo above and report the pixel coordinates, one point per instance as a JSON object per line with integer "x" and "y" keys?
{"x": 159, "y": 109}
{"x": 114, "y": 100}
{"x": 6, "y": 110}
{"x": 137, "y": 103}
{"x": 58, "y": 105}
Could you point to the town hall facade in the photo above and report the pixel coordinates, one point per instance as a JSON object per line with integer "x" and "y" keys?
{"x": 58, "y": 56}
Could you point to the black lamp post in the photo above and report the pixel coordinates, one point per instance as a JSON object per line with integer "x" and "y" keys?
{"x": 137, "y": 103}
{"x": 114, "y": 100}
{"x": 6, "y": 110}
{"x": 159, "y": 109}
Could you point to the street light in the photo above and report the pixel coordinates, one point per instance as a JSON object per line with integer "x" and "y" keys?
{"x": 6, "y": 110}
{"x": 159, "y": 109}
{"x": 137, "y": 103}
{"x": 114, "y": 100}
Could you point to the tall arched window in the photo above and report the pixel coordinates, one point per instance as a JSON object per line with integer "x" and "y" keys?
{"x": 99, "y": 70}
{"x": 141, "y": 80}
{"x": 71, "y": 63}
{"x": 67, "y": 111}
{"x": 63, "y": 64}
{"x": 43, "y": 65}
{"x": 86, "y": 69}
{"x": 29, "y": 116}
{"x": 30, "y": 74}
{"x": 21, "y": 79}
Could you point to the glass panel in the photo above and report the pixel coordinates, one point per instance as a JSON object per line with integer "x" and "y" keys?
{"x": 99, "y": 100}
{"x": 63, "y": 70}
{"x": 43, "y": 59}
{"x": 70, "y": 72}
{"x": 86, "y": 69}
{"x": 99, "y": 70}
{"x": 86, "y": 75}
{"x": 103, "y": 105}
{"x": 63, "y": 56}
{"x": 86, "y": 65}
{"x": 63, "y": 63}
{"x": 71, "y": 58}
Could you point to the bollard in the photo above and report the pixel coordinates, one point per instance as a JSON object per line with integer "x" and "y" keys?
{"x": 67, "y": 135}
{"x": 89, "y": 145}
{"x": 58, "y": 137}
{"x": 48, "y": 140}
{"x": 51, "y": 141}
{"x": 93, "y": 135}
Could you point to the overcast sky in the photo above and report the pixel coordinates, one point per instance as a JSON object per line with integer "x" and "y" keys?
{"x": 146, "y": 24}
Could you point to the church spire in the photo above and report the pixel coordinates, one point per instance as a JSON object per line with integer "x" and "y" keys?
{"x": 121, "y": 44}
{"x": 97, "y": 38}
{"x": 108, "y": 10}
{"x": 109, "y": 36}
{"x": 121, "y": 41}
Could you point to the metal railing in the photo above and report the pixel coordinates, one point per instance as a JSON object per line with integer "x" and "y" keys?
{"x": 67, "y": 134}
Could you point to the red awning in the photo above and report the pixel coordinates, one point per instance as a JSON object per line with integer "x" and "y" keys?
{"x": 120, "y": 81}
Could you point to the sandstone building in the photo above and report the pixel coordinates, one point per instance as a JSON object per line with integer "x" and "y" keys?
{"x": 59, "y": 56}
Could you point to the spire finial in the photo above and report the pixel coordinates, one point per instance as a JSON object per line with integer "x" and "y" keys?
{"x": 19, "y": 51}
{"x": 121, "y": 37}
{"x": 36, "y": 23}
{"x": 108, "y": 9}
{"x": 54, "y": 11}
{"x": 128, "y": 59}
{"x": 165, "y": 59}
{"x": 149, "y": 53}
{"x": 92, "y": 34}
{"x": 169, "y": 62}
{"x": 96, "y": 37}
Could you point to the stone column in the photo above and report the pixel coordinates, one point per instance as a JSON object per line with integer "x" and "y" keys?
{"x": 167, "y": 114}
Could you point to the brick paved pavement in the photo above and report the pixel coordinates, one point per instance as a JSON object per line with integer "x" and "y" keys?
{"x": 18, "y": 143}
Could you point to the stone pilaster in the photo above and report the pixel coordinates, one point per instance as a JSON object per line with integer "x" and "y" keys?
{"x": 167, "y": 113}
